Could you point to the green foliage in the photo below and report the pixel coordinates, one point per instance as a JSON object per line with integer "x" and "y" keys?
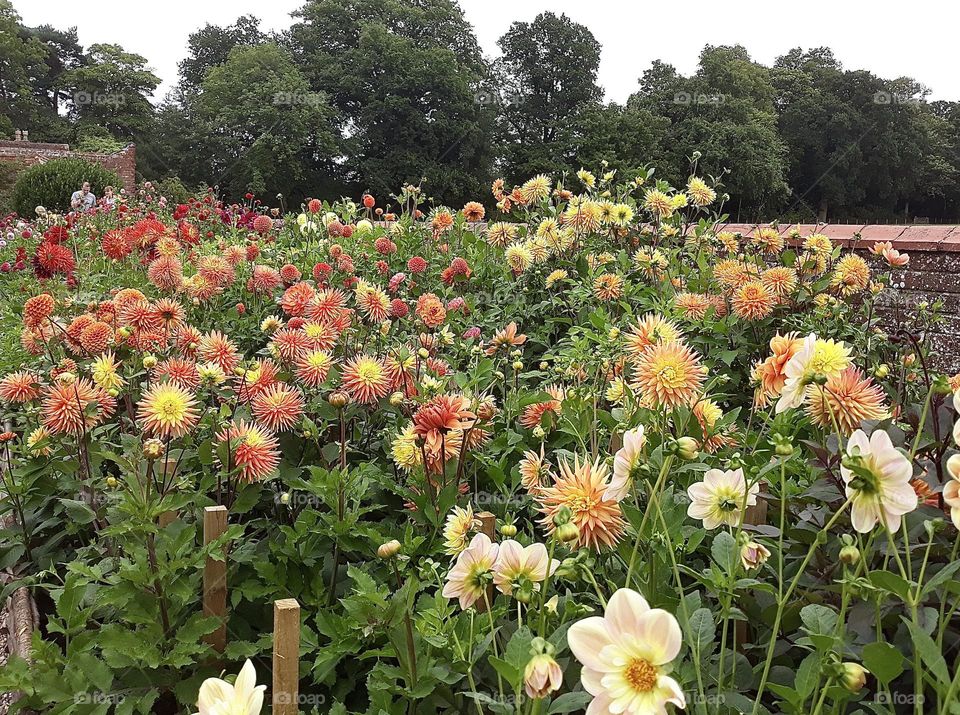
{"x": 51, "y": 184}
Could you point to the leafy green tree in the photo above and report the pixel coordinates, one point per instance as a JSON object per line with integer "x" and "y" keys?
{"x": 21, "y": 60}
{"x": 547, "y": 80}
{"x": 722, "y": 118}
{"x": 259, "y": 126}
{"x": 405, "y": 80}
{"x": 111, "y": 90}
{"x": 210, "y": 47}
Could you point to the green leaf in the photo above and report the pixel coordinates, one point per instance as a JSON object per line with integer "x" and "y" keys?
{"x": 78, "y": 511}
{"x": 892, "y": 583}
{"x": 807, "y": 675}
{"x": 818, "y": 620}
{"x": 883, "y": 660}
{"x": 725, "y": 552}
{"x": 701, "y": 631}
{"x": 570, "y": 702}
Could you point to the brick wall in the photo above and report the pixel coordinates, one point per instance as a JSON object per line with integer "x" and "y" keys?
{"x": 933, "y": 273}
{"x": 26, "y": 153}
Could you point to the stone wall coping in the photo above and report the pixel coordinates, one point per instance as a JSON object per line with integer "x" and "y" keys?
{"x": 907, "y": 237}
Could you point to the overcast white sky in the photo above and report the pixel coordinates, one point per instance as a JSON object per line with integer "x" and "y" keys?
{"x": 887, "y": 38}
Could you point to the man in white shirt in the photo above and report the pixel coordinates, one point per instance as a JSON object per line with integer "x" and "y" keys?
{"x": 83, "y": 199}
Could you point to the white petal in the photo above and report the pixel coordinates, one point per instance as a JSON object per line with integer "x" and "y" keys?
{"x": 586, "y": 639}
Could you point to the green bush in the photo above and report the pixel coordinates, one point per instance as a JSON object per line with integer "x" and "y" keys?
{"x": 51, "y": 184}
{"x": 174, "y": 189}
{"x": 8, "y": 177}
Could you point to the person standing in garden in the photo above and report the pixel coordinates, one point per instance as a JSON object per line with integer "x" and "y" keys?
{"x": 83, "y": 199}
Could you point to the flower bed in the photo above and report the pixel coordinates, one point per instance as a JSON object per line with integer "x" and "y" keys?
{"x": 592, "y": 454}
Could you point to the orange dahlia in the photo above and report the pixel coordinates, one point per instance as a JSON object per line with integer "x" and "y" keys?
{"x": 167, "y": 410}
{"x": 440, "y": 416}
{"x": 19, "y": 387}
{"x": 165, "y": 272}
{"x": 667, "y": 374}
{"x": 265, "y": 280}
{"x": 768, "y": 239}
{"x": 506, "y": 339}
{"x": 582, "y": 489}
{"x": 365, "y": 378}
{"x": 182, "y": 372}
{"x": 38, "y": 309}
{"x": 532, "y": 415}
{"x": 278, "y": 408}
{"x": 291, "y": 345}
{"x": 850, "y": 397}
{"x": 76, "y": 406}
{"x": 752, "y": 301}
{"x": 297, "y": 299}
{"x": 779, "y": 280}
{"x": 261, "y": 376}
{"x": 692, "y": 305}
{"x": 430, "y": 310}
{"x": 770, "y": 374}
{"x": 96, "y": 337}
{"x": 217, "y": 348}
{"x": 169, "y": 314}
{"x": 607, "y": 287}
{"x": 254, "y": 450}
{"x": 327, "y": 305}
{"x": 373, "y": 303}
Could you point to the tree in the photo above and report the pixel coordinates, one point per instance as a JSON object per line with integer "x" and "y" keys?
{"x": 210, "y": 47}
{"x": 547, "y": 78}
{"x": 259, "y": 126}
{"x": 404, "y": 79}
{"x": 21, "y": 60}
{"x": 721, "y": 119}
{"x": 111, "y": 90}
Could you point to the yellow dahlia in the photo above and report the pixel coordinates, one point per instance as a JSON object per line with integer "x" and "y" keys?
{"x": 167, "y": 410}
{"x": 456, "y": 530}
{"x": 536, "y": 189}
{"x": 649, "y": 330}
{"x": 700, "y": 194}
{"x": 851, "y": 275}
{"x": 365, "y": 378}
{"x": 752, "y": 301}
{"x": 849, "y": 397}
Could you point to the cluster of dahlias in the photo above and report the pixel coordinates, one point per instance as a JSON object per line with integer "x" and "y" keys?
{"x": 818, "y": 375}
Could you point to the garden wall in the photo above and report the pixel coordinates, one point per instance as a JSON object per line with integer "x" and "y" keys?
{"x": 933, "y": 273}
{"x": 27, "y": 153}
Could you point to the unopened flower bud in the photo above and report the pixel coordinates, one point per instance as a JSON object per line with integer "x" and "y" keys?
{"x": 562, "y": 516}
{"x": 149, "y": 362}
{"x": 285, "y": 498}
{"x": 396, "y": 399}
{"x": 850, "y": 555}
{"x": 613, "y": 333}
{"x": 389, "y": 549}
{"x": 568, "y": 532}
{"x": 338, "y": 399}
{"x": 111, "y": 482}
{"x": 753, "y": 554}
{"x": 66, "y": 378}
{"x": 881, "y": 371}
{"x": 423, "y": 353}
{"x": 517, "y": 365}
{"x": 152, "y": 449}
{"x": 853, "y": 676}
{"x": 508, "y": 530}
{"x": 687, "y": 448}
{"x": 542, "y": 676}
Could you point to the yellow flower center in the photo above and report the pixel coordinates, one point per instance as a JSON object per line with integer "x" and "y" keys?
{"x": 641, "y": 675}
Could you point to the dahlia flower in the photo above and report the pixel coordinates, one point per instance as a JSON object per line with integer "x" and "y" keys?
{"x": 244, "y": 697}
{"x": 721, "y": 498}
{"x": 582, "y": 488}
{"x": 517, "y": 564}
{"x": 877, "y": 477}
{"x": 167, "y": 410}
{"x": 626, "y": 656}
{"x": 472, "y": 571}
{"x": 624, "y": 462}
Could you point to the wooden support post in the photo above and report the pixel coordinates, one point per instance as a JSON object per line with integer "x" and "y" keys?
{"x": 286, "y": 656}
{"x": 215, "y": 577}
{"x": 488, "y": 526}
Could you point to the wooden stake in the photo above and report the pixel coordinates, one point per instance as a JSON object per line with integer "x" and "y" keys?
{"x": 286, "y": 656}
{"x": 215, "y": 577}
{"x": 488, "y": 526}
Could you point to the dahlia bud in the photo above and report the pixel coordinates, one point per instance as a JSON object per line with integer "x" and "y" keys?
{"x": 517, "y": 365}
{"x": 882, "y": 371}
{"x": 152, "y": 449}
{"x": 687, "y": 448}
{"x": 338, "y": 399}
{"x": 524, "y": 594}
{"x": 111, "y": 482}
{"x": 66, "y": 378}
{"x": 389, "y": 549}
{"x": 563, "y": 515}
{"x": 753, "y": 554}
{"x": 849, "y": 554}
{"x": 508, "y": 530}
{"x": 544, "y": 365}
{"x": 853, "y": 676}
{"x": 396, "y": 399}
{"x": 568, "y": 532}
{"x": 285, "y": 498}
{"x": 782, "y": 445}
{"x": 542, "y": 675}
{"x": 149, "y": 362}
{"x": 613, "y": 333}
